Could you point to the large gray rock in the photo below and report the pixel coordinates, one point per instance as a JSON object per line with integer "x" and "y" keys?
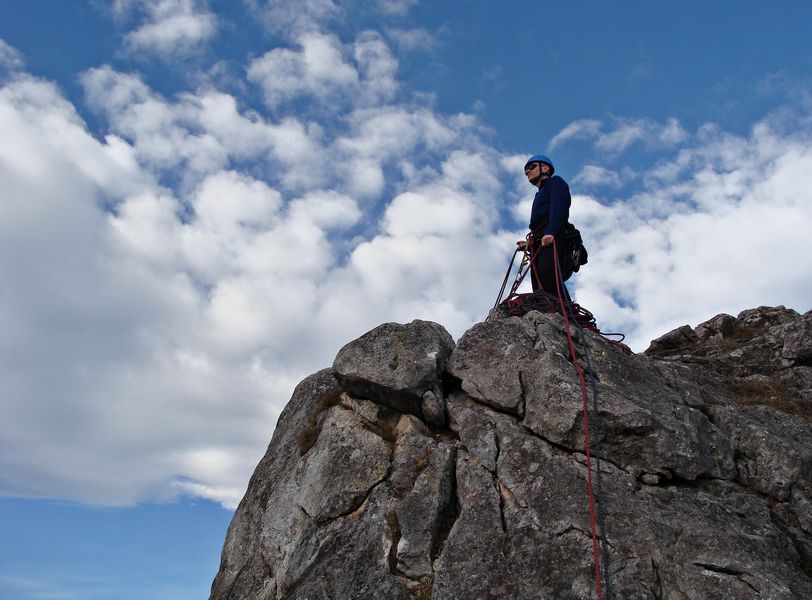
{"x": 416, "y": 469}
{"x": 396, "y": 365}
{"x": 763, "y": 355}
{"x": 490, "y": 361}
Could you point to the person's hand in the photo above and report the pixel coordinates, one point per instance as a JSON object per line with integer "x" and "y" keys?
{"x": 521, "y": 245}
{"x": 547, "y": 240}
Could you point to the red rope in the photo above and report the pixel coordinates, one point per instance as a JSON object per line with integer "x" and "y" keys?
{"x": 577, "y": 366}
{"x": 595, "y": 555}
{"x": 519, "y": 304}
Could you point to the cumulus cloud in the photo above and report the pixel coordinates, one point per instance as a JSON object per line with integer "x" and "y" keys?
{"x": 167, "y": 28}
{"x": 622, "y": 133}
{"x": 194, "y": 134}
{"x": 145, "y": 319}
{"x": 628, "y": 131}
{"x": 581, "y": 129}
{"x": 412, "y": 39}
{"x": 595, "y": 176}
{"x": 171, "y": 281}
{"x": 324, "y": 70}
{"x": 366, "y": 151}
{"x": 295, "y": 19}
{"x": 317, "y": 69}
{"x": 396, "y": 7}
{"x": 708, "y": 234}
{"x": 169, "y": 298}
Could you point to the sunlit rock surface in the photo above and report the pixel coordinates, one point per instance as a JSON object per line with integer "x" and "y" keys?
{"x": 417, "y": 468}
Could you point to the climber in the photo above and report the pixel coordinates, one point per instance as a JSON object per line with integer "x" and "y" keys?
{"x": 548, "y": 218}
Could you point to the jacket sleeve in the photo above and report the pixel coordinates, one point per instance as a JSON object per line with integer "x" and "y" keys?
{"x": 560, "y": 201}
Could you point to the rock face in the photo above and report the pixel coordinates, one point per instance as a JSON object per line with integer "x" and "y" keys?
{"x": 417, "y": 468}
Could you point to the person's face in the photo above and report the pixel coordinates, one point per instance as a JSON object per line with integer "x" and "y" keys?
{"x": 534, "y": 172}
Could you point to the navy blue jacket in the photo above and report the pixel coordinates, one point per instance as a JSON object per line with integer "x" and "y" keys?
{"x": 551, "y": 208}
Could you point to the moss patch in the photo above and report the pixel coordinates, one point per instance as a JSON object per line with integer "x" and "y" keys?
{"x": 769, "y": 392}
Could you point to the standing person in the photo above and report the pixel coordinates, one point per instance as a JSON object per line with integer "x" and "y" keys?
{"x": 551, "y": 210}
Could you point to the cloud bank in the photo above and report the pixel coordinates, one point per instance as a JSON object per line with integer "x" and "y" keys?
{"x": 170, "y": 281}
{"x": 719, "y": 227}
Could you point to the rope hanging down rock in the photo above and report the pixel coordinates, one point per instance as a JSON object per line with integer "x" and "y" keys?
{"x": 519, "y": 304}
{"x": 579, "y": 371}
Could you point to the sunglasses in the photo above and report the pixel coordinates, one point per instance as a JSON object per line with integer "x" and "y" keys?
{"x": 530, "y": 167}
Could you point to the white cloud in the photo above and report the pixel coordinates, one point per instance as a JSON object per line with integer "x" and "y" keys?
{"x": 396, "y": 7}
{"x": 584, "y": 128}
{"x": 295, "y": 18}
{"x": 128, "y": 334}
{"x": 72, "y": 323}
{"x": 323, "y": 69}
{"x": 628, "y": 131}
{"x": 436, "y": 252}
{"x": 38, "y": 105}
{"x": 10, "y": 58}
{"x": 317, "y": 69}
{"x": 196, "y": 134}
{"x": 377, "y": 67}
{"x": 292, "y": 19}
{"x": 366, "y": 151}
{"x": 325, "y": 209}
{"x": 594, "y": 176}
{"x": 373, "y": 131}
{"x": 170, "y": 283}
{"x": 412, "y": 39}
{"x": 714, "y": 235}
{"x": 671, "y": 134}
{"x": 171, "y": 321}
{"x": 364, "y": 177}
{"x": 623, "y": 133}
{"x": 164, "y": 134}
{"x": 169, "y": 28}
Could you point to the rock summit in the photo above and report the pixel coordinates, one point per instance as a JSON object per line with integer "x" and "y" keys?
{"x": 417, "y": 468}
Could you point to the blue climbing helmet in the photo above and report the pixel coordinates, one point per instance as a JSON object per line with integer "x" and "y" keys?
{"x": 540, "y": 158}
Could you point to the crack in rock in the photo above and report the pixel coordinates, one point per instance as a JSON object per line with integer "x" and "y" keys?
{"x": 359, "y": 508}
{"x": 394, "y": 533}
{"x": 498, "y": 485}
{"x": 658, "y": 582}
{"x": 465, "y": 505}
{"x": 449, "y": 517}
{"x": 730, "y": 572}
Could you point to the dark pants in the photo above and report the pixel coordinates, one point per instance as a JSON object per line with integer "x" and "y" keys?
{"x": 545, "y": 266}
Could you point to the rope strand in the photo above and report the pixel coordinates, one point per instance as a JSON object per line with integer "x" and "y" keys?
{"x": 519, "y": 304}
{"x": 590, "y": 494}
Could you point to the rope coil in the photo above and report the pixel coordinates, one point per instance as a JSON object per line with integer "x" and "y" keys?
{"x": 518, "y": 305}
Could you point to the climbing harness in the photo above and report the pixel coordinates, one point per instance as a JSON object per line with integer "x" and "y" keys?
{"x": 519, "y": 304}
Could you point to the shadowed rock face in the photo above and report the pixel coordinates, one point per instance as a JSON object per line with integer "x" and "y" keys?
{"x": 417, "y": 468}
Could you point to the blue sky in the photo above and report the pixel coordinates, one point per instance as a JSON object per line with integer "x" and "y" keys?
{"x": 203, "y": 201}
